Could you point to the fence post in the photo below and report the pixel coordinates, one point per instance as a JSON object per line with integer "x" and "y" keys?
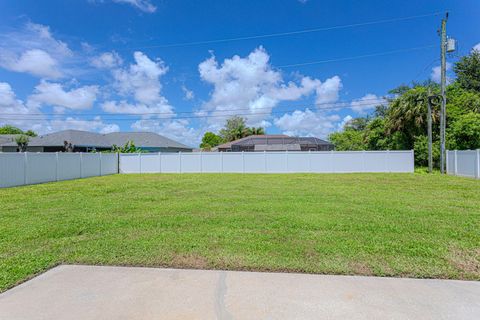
{"x": 56, "y": 166}
{"x": 265, "y": 161}
{"x": 478, "y": 164}
{"x": 243, "y": 162}
{"x": 221, "y": 160}
{"x": 100, "y": 159}
{"x": 25, "y": 166}
{"x": 180, "y": 160}
{"x": 332, "y": 160}
{"x": 310, "y": 161}
{"x": 455, "y": 162}
{"x": 201, "y": 162}
{"x": 363, "y": 161}
{"x": 387, "y": 156}
{"x": 446, "y": 161}
{"x": 140, "y": 162}
{"x": 286, "y": 159}
{"x": 81, "y": 165}
{"x": 159, "y": 162}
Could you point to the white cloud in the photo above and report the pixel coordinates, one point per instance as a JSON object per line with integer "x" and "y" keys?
{"x": 251, "y": 84}
{"x": 107, "y": 60}
{"x": 36, "y": 62}
{"x": 33, "y": 50}
{"x": 9, "y": 104}
{"x": 71, "y": 123}
{"x": 307, "y": 123}
{"x": 188, "y": 94}
{"x": 328, "y": 92}
{"x": 53, "y": 94}
{"x": 477, "y": 47}
{"x": 436, "y": 74}
{"x": 140, "y": 82}
{"x": 143, "y": 5}
{"x": 345, "y": 120}
{"x": 177, "y": 129}
{"x": 15, "y": 110}
{"x": 367, "y": 102}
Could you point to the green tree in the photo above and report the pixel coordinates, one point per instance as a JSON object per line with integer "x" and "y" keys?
{"x": 467, "y": 70}
{"x": 8, "y": 129}
{"x": 348, "y": 140}
{"x": 255, "y": 131}
{"x": 407, "y": 114}
{"x": 210, "y": 140}
{"x": 30, "y": 133}
{"x": 465, "y": 131}
{"x": 129, "y": 147}
{"x": 236, "y": 128}
{"x": 22, "y": 142}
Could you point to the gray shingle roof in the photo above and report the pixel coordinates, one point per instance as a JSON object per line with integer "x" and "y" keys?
{"x": 92, "y": 139}
{"x": 8, "y": 138}
{"x": 143, "y": 139}
{"x": 271, "y": 139}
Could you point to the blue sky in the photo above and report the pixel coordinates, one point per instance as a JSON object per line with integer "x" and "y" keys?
{"x": 156, "y": 65}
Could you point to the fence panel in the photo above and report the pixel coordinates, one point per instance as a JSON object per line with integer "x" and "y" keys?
{"x": 41, "y": 167}
{"x": 211, "y": 162}
{"x": 232, "y": 162}
{"x": 12, "y": 169}
{"x": 109, "y": 163}
{"x": 90, "y": 163}
{"x": 191, "y": 162}
{"x": 298, "y": 162}
{"x": 269, "y": 162}
{"x": 150, "y": 163}
{"x": 465, "y": 163}
{"x": 30, "y": 168}
{"x": 254, "y": 162}
{"x": 129, "y": 163}
{"x": 68, "y": 166}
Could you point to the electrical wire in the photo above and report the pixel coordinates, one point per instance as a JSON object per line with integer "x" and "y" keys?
{"x": 347, "y": 106}
{"x": 328, "y": 104}
{"x": 289, "y": 33}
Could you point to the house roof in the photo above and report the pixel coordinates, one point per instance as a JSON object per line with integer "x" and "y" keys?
{"x": 143, "y": 139}
{"x": 274, "y": 139}
{"x": 8, "y": 138}
{"x": 92, "y": 139}
{"x": 229, "y": 144}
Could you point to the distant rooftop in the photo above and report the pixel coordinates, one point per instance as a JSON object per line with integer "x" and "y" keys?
{"x": 92, "y": 139}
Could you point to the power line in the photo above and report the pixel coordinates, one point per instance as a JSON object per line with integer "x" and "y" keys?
{"x": 357, "y": 57}
{"x": 289, "y": 33}
{"x": 328, "y": 104}
{"x": 346, "y": 106}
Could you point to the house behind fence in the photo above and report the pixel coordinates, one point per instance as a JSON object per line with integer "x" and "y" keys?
{"x": 85, "y": 141}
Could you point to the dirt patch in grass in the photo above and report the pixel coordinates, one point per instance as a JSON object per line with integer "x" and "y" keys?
{"x": 467, "y": 261}
{"x": 189, "y": 260}
{"x": 361, "y": 268}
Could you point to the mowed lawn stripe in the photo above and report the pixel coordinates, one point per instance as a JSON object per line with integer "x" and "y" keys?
{"x": 410, "y": 225}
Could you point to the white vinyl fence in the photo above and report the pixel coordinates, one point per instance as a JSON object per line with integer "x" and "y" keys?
{"x": 465, "y": 163}
{"x": 268, "y": 162}
{"x": 29, "y": 168}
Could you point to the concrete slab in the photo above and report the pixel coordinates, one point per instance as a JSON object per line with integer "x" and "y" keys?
{"x": 88, "y": 292}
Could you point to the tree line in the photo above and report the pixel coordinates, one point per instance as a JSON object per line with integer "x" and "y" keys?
{"x": 401, "y": 123}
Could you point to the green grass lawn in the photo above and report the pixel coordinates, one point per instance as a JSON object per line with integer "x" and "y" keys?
{"x": 408, "y": 225}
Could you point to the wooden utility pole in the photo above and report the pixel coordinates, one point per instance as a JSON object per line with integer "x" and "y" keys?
{"x": 443, "y": 111}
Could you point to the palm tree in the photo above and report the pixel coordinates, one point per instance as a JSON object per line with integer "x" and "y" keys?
{"x": 22, "y": 142}
{"x": 256, "y": 131}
